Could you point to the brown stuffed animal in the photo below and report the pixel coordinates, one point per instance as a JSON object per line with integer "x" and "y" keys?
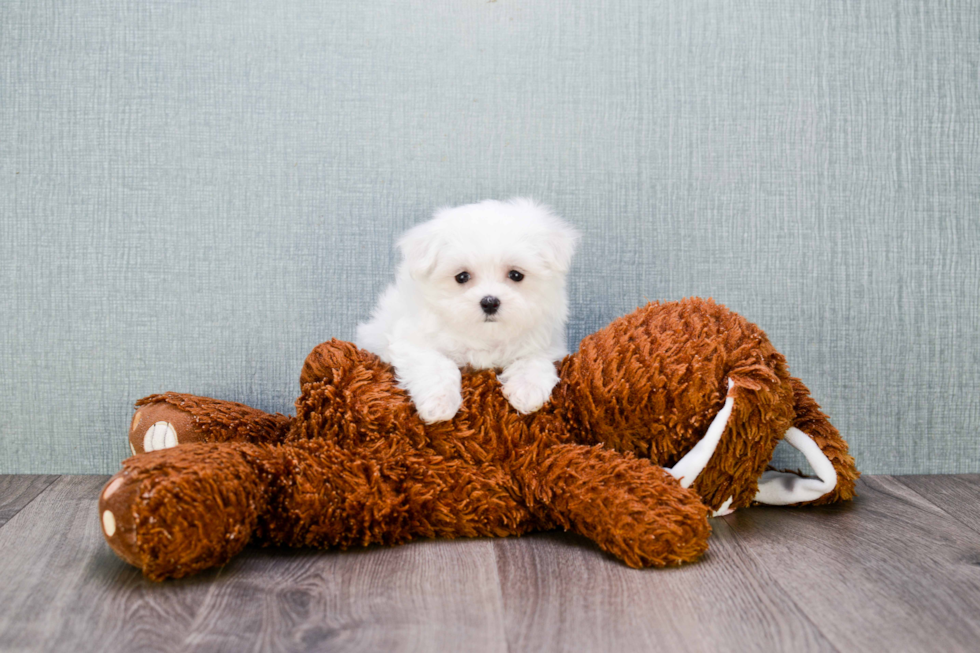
{"x": 687, "y": 384}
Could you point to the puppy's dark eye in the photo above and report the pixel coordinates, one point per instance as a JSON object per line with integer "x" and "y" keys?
{"x": 462, "y": 277}
{"x": 514, "y": 275}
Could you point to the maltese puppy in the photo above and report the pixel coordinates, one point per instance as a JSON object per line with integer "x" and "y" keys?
{"x": 481, "y": 285}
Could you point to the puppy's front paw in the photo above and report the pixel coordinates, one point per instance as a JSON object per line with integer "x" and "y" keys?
{"x": 439, "y": 406}
{"x": 529, "y": 389}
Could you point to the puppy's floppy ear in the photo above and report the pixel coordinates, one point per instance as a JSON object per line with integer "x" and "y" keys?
{"x": 559, "y": 246}
{"x": 420, "y": 249}
{"x": 558, "y": 240}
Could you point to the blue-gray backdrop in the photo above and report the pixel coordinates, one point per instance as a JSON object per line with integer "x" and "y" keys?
{"x": 192, "y": 195}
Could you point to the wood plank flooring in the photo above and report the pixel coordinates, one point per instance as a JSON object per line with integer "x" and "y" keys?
{"x": 896, "y": 570}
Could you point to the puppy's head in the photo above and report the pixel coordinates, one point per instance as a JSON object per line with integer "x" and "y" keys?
{"x": 492, "y": 268}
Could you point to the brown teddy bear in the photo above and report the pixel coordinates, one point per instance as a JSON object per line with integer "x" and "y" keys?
{"x": 673, "y": 396}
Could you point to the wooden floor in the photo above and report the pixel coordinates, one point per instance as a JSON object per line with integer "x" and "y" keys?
{"x": 896, "y": 570}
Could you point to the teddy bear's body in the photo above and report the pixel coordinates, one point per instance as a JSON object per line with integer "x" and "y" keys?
{"x": 356, "y": 465}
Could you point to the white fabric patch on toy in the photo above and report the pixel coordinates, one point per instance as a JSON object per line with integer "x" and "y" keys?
{"x": 781, "y": 488}
{"x": 161, "y": 435}
{"x": 688, "y": 468}
{"x": 111, "y": 488}
{"x": 725, "y": 508}
{"x": 109, "y": 523}
{"x": 775, "y": 488}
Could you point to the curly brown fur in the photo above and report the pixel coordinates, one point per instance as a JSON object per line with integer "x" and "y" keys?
{"x": 188, "y": 508}
{"x": 196, "y": 505}
{"x": 357, "y": 466}
{"x": 652, "y": 381}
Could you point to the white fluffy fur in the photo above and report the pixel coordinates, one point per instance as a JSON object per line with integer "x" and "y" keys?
{"x": 428, "y": 326}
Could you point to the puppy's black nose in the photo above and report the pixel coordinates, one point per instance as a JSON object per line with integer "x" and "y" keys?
{"x": 489, "y": 304}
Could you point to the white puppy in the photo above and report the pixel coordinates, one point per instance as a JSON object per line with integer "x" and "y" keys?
{"x": 481, "y": 285}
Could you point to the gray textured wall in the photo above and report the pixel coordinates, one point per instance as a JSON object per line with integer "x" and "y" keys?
{"x": 191, "y": 197}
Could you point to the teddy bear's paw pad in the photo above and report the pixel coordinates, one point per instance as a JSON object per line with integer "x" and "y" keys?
{"x": 161, "y": 435}
{"x": 162, "y": 425}
{"x": 116, "y": 518}
{"x": 108, "y": 523}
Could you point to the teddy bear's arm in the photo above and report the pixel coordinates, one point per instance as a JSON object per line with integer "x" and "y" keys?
{"x": 166, "y": 420}
{"x": 628, "y": 506}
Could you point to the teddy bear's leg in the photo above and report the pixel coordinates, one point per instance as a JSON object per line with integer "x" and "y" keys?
{"x": 166, "y": 420}
{"x": 177, "y": 511}
{"x": 628, "y": 506}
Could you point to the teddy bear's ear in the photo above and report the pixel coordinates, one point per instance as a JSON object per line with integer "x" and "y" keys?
{"x": 419, "y": 247}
